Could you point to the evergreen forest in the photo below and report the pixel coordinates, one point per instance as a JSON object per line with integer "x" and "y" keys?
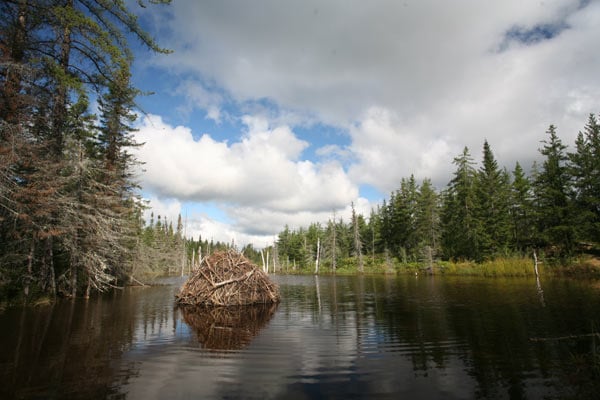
{"x": 485, "y": 213}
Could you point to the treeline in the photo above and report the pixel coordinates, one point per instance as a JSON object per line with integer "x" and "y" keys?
{"x": 483, "y": 213}
{"x": 70, "y": 220}
{"x": 166, "y": 250}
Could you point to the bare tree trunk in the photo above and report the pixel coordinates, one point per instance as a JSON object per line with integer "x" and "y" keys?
{"x": 317, "y": 258}
{"x": 193, "y": 261}
{"x": 28, "y": 278}
{"x": 73, "y": 278}
{"x": 51, "y": 266}
{"x": 184, "y": 242}
{"x": 88, "y": 287}
{"x": 262, "y": 256}
{"x": 333, "y": 245}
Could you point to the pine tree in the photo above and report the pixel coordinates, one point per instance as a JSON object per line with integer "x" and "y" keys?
{"x": 459, "y": 222}
{"x": 584, "y": 168}
{"x": 521, "y": 211}
{"x": 427, "y": 220}
{"x": 552, "y": 192}
{"x": 357, "y": 240}
{"x": 492, "y": 201}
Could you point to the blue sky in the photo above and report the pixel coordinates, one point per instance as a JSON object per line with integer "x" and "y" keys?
{"x": 271, "y": 113}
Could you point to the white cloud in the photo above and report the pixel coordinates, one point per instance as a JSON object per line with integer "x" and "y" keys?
{"x": 261, "y": 180}
{"x": 388, "y": 149}
{"x": 333, "y": 57}
{"x": 263, "y": 167}
{"x": 197, "y": 96}
{"x": 410, "y": 82}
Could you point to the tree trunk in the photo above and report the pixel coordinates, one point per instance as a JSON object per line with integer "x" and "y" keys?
{"x": 28, "y": 278}
{"x": 52, "y": 273}
{"x": 333, "y": 247}
{"x": 88, "y": 288}
{"x": 73, "y": 269}
{"x": 317, "y": 258}
{"x": 264, "y": 264}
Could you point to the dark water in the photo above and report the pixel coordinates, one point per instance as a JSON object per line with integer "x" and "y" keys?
{"x": 346, "y": 337}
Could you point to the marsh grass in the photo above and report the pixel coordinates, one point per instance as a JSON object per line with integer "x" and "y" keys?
{"x": 507, "y": 266}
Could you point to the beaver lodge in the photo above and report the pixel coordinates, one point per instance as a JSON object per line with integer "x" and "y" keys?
{"x": 227, "y": 278}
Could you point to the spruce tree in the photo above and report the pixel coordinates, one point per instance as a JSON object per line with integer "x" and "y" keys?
{"x": 552, "y": 197}
{"x": 427, "y": 220}
{"x": 521, "y": 211}
{"x": 459, "y": 221}
{"x": 584, "y": 168}
{"x": 492, "y": 218}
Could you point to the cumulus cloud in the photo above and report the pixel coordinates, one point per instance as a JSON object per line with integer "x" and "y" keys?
{"x": 450, "y": 74}
{"x": 263, "y": 167}
{"x": 261, "y": 179}
{"x": 410, "y": 83}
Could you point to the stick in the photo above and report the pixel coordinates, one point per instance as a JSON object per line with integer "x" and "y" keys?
{"x": 548, "y": 339}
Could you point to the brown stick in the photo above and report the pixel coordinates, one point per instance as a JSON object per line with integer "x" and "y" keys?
{"x": 241, "y": 278}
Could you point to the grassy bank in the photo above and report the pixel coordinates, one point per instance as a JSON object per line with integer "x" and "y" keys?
{"x": 514, "y": 266}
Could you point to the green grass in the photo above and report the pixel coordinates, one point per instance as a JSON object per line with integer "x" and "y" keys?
{"x": 507, "y": 266}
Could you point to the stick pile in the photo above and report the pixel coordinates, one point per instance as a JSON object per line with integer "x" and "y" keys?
{"x": 227, "y": 278}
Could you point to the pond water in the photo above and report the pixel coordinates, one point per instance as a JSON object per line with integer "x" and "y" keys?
{"x": 425, "y": 337}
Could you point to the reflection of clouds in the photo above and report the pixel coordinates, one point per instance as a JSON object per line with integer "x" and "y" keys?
{"x": 344, "y": 339}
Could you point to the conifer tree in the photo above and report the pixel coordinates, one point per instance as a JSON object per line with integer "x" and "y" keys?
{"x": 552, "y": 192}
{"x": 459, "y": 221}
{"x": 584, "y": 168}
{"x": 521, "y": 210}
{"x": 357, "y": 241}
{"x": 492, "y": 201}
{"x": 427, "y": 220}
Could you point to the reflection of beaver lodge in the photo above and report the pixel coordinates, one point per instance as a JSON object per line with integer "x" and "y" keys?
{"x": 227, "y": 328}
{"x": 227, "y": 278}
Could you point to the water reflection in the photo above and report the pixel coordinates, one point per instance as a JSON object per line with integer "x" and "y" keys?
{"x": 344, "y": 337}
{"x": 227, "y": 328}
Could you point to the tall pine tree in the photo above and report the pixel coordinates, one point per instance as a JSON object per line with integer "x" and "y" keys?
{"x": 460, "y": 226}
{"x": 552, "y": 196}
{"x": 584, "y": 168}
{"x": 492, "y": 218}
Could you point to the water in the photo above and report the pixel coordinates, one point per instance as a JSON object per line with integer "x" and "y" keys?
{"x": 346, "y": 337}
